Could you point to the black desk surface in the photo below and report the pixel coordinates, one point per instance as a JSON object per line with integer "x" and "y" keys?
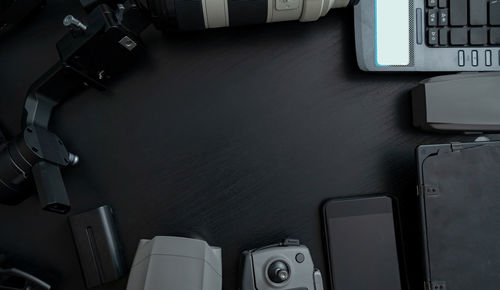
{"x": 237, "y": 134}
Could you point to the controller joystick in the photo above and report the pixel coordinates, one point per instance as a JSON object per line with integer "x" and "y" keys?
{"x": 278, "y": 272}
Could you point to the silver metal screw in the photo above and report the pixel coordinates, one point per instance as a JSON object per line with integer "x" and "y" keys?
{"x": 73, "y": 22}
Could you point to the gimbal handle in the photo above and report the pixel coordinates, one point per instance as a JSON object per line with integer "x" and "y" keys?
{"x": 50, "y": 185}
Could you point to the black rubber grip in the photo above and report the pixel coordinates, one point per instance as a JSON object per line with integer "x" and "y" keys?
{"x": 163, "y": 13}
{"x": 177, "y": 14}
{"x": 243, "y": 12}
{"x": 190, "y": 14}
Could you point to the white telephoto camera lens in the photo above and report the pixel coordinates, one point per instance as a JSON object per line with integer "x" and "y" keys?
{"x": 204, "y": 14}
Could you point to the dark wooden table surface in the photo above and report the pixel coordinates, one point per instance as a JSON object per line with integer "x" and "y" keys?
{"x": 236, "y": 134}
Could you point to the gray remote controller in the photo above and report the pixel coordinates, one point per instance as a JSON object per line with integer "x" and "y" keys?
{"x": 287, "y": 265}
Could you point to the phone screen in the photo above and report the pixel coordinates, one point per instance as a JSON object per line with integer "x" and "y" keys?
{"x": 362, "y": 244}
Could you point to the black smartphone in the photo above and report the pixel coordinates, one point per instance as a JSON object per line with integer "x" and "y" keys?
{"x": 364, "y": 244}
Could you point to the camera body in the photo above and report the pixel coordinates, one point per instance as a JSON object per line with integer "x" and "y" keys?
{"x": 287, "y": 265}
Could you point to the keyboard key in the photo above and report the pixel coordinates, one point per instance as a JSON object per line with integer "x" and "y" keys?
{"x": 461, "y": 58}
{"x": 495, "y": 36}
{"x": 479, "y": 36}
{"x": 487, "y": 58}
{"x": 432, "y": 17}
{"x": 458, "y": 36}
{"x": 474, "y": 58}
{"x": 461, "y": 23}
{"x": 443, "y": 17}
{"x": 495, "y": 12}
{"x": 433, "y": 36}
{"x": 458, "y": 12}
{"x": 443, "y": 36}
{"x": 478, "y": 12}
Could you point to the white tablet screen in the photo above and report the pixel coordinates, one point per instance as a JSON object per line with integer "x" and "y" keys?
{"x": 393, "y": 32}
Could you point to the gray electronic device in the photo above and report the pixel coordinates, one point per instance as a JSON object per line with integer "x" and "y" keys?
{"x": 176, "y": 263}
{"x": 287, "y": 265}
{"x": 466, "y": 102}
{"x": 428, "y": 35}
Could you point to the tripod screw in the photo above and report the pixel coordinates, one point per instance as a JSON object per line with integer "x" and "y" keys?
{"x": 74, "y": 23}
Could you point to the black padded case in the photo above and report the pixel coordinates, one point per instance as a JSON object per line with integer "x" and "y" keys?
{"x": 459, "y": 193}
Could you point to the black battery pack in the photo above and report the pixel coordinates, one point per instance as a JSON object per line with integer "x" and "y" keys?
{"x": 98, "y": 246}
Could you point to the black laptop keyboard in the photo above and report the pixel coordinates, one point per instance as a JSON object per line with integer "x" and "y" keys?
{"x": 463, "y": 23}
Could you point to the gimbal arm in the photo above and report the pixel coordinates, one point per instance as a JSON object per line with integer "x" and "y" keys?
{"x": 89, "y": 55}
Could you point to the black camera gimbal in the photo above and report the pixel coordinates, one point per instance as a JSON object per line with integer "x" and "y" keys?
{"x": 90, "y": 54}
